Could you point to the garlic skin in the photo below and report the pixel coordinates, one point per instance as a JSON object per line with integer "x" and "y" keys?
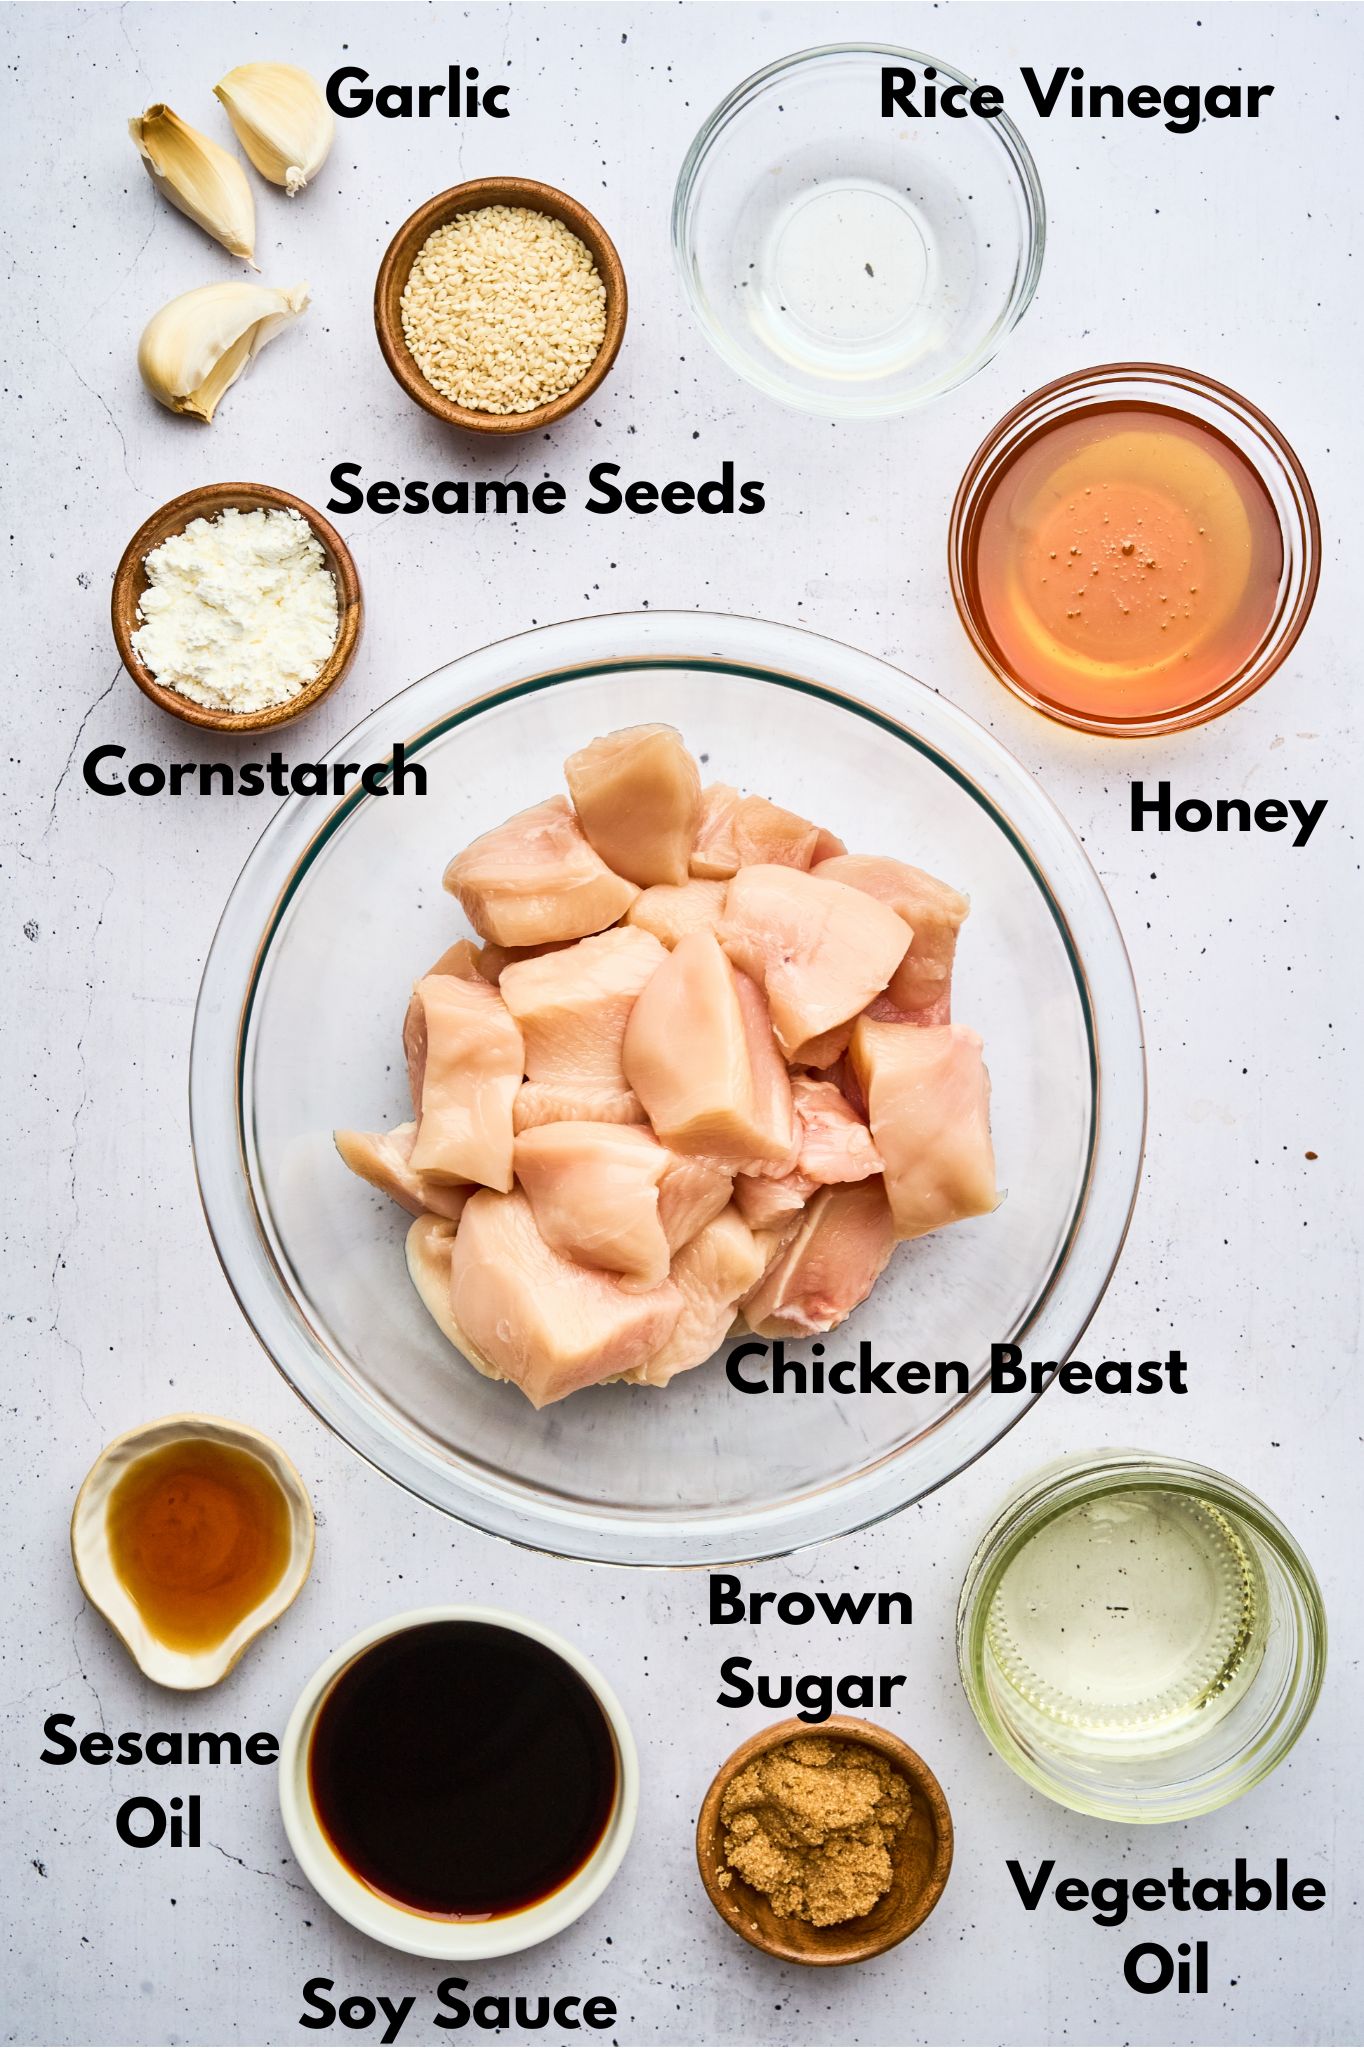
{"x": 203, "y": 180}
{"x": 281, "y": 120}
{"x": 196, "y": 347}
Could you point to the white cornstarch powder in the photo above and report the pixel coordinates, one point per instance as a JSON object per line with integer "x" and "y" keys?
{"x": 504, "y": 309}
{"x": 240, "y": 611}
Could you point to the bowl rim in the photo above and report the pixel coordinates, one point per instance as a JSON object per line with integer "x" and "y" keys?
{"x": 1032, "y": 245}
{"x": 437, "y": 212}
{"x": 1060, "y": 1311}
{"x": 172, "y": 518}
{"x": 429, "y": 1935}
{"x": 1064, "y": 396}
{"x": 185, "y": 1670}
{"x": 841, "y": 1728}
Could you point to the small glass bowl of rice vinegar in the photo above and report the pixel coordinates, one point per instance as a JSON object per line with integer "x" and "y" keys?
{"x": 1134, "y": 549}
{"x": 1140, "y": 1638}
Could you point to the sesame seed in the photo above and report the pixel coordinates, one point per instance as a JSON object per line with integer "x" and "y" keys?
{"x": 504, "y": 309}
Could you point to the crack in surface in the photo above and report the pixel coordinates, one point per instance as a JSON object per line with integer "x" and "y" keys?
{"x": 110, "y": 415}
{"x": 132, "y": 47}
{"x": 66, "y": 765}
{"x": 81, "y": 1611}
{"x": 82, "y": 1103}
{"x": 46, "y": 1685}
{"x": 275, "y": 1876}
{"x": 141, "y": 252}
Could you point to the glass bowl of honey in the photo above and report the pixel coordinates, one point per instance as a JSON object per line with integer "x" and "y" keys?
{"x": 1134, "y": 549}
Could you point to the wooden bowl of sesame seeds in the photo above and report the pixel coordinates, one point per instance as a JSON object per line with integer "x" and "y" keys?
{"x": 533, "y": 356}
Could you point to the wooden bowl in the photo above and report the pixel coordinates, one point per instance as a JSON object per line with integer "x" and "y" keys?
{"x": 921, "y": 1857}
{"x": 130, "y": 581}
{"x": 396, "y": 267}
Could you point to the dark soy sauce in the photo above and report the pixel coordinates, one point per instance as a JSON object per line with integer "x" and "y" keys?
{"x": 462, "y": 1769}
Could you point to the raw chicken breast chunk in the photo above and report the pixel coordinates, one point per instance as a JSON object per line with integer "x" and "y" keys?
{"x": 610, "y": 1196}
{"x": 835, "y": 1146}
{"x": 536, "y": 879}
{"x": 523, "y": 1312}
{"x": 745, "y": 831}
{"x": 835, "y": 1143}
{"x": 555, "y": 1102}
{"x": 573, "y": 1005}
{"x": 638, "y": 798}
{"x": 464, "y": 958}
{"x": 819, "y": 950}
{"x": 833, "y": 1261}
{"x": 928, "y": 1097}
{"x": 430, "y": 1249}
{"x": 670, "y": 913}
{"x": 700, "y": 1055}
{"x": 712, "y": 1274}
{"x": 384, "y": 1159}
{"x": 921, "y": 986}
{"x": 465, "y": 1059}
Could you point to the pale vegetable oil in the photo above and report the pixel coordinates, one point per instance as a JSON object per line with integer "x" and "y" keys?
{"x": 1129, "y": 1623}
{"x": 1139, "y": 1637}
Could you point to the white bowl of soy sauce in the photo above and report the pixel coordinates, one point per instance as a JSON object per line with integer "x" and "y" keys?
{"x": 459, "y": 1783}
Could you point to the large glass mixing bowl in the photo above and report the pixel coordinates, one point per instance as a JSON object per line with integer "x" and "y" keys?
{"x": 298, "y": 1026}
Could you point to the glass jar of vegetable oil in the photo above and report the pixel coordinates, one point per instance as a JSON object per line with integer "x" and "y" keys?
{"x": 1140, "y": 1638}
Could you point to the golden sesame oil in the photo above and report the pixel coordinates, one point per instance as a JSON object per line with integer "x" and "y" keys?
{"x": 199, "y": 1535}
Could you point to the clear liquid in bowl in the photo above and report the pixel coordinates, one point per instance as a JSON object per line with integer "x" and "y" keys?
{"x": 847, "y": 276}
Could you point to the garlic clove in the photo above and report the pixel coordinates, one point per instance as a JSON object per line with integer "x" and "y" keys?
{"x": 281, "y": 120}
{"x": 204, "y": 180}
{"x": 196, "y": 347}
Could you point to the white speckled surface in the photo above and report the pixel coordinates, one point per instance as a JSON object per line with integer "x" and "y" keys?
{"x": 1235, "y": 250}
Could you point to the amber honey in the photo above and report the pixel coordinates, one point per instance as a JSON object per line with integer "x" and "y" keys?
{"x": 199, "y": 1534}
{"x": 1124, "y": 563}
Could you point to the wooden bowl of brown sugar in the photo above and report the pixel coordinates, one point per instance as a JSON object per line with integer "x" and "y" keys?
{"x": 921, "y": 1855}
{"x": 526, "y": 195}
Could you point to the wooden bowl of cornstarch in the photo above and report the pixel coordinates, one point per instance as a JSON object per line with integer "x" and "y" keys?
{"x": 131, "y": 583}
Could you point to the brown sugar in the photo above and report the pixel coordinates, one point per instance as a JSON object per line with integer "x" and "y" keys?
{"x": 811, "y": 1825}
